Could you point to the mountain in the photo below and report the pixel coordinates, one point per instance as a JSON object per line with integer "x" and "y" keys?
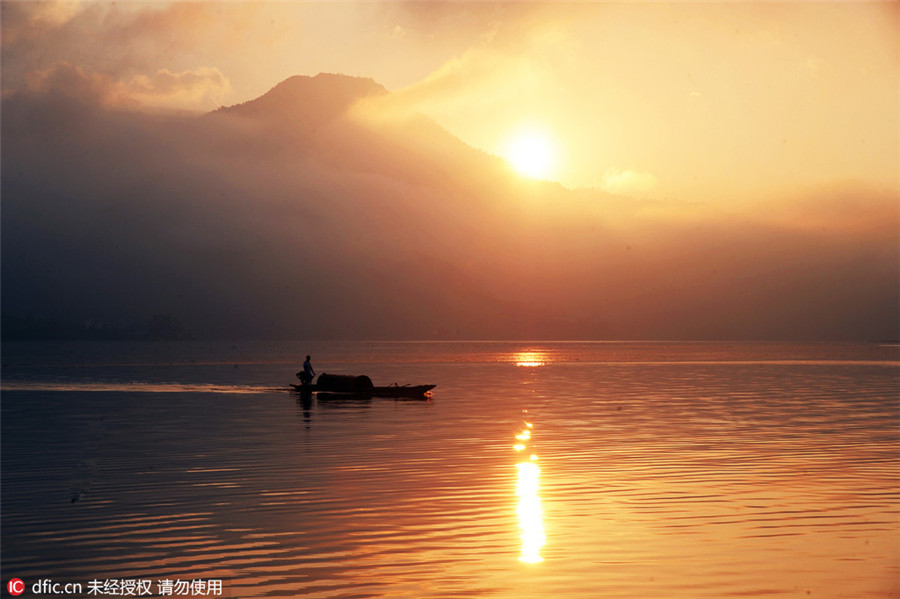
{"x": 315, "y": 115}
{"x": 307, "y": 100}
{"x": 321, "y": 210}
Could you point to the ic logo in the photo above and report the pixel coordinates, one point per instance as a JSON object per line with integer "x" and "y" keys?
{"x": 15, "y": 587}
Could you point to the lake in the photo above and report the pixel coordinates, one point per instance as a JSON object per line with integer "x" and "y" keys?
{"x": 576, "y": 470}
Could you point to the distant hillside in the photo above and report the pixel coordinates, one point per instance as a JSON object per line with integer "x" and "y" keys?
{"x": 308, "y": 100}
{"x": 314, "y": 211}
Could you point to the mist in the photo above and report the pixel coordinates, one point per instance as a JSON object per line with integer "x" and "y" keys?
{"x": 303, "y": 214}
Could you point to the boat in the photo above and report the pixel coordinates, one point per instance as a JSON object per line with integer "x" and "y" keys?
{"x": 361, "y": 386}
{"x": 390, "y": 391}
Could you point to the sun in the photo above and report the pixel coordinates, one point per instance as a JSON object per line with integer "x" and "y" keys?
{"x": 531, "y": 153}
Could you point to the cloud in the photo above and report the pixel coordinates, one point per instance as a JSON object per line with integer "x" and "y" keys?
{"x": 24, "y": 21}
{"x": 157, "y": 53}
{"x": 69, "y": 78}
{"x": 628, "y": 182}
{"x": 843, "y": 208}
{"x": 483, "y": 73}
{"x": 224, "y": 220}
{"x": 198, "y": 90}
{"x": 498, "y": 72}
{"x": 503, "y": 55}
{"x": 52, "y": 13}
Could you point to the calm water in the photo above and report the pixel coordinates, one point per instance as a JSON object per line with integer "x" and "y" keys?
{"x": 607, "y": 470}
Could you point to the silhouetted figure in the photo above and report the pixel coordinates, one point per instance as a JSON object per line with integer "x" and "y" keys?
{"x": 307, "y": 374}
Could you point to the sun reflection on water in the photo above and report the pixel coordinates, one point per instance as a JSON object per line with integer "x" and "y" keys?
{"x": 531, "y": 516}
{"x": 530, "y": 359}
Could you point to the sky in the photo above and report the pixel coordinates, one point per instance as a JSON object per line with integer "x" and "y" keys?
{"x": 725, "y": 102}
{"x": 480, "y": 170}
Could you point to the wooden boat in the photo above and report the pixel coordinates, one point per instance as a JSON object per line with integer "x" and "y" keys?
{"x": 390, "y": 391}
{"x": 361, "y": 386}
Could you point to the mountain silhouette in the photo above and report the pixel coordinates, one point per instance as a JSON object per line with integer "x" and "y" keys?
{"x": 321, "y": 210}
{"x": 314, "y": 115}
{"x": 308, "y": 101}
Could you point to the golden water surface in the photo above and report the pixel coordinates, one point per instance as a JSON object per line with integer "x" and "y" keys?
{"x": 536, "y": 470}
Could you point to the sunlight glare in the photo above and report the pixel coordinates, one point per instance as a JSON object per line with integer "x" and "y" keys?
{"x": 531, "y": 154}
{"x": 530, "y": 513}
{"x": 529, "y": 359}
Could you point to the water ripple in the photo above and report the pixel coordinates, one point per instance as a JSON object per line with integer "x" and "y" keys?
{"x": 666, "y": 479}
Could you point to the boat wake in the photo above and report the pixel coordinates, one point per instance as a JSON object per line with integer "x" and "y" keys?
{"x": 134, "y": 387}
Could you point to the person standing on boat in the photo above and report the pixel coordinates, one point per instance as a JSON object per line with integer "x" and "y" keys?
{"x": 308, "y": 373}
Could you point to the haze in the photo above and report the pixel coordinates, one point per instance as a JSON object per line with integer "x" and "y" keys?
{"x": 692, "y": 171}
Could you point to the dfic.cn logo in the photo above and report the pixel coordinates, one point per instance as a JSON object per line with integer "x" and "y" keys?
{"x": 15, "y": 587}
